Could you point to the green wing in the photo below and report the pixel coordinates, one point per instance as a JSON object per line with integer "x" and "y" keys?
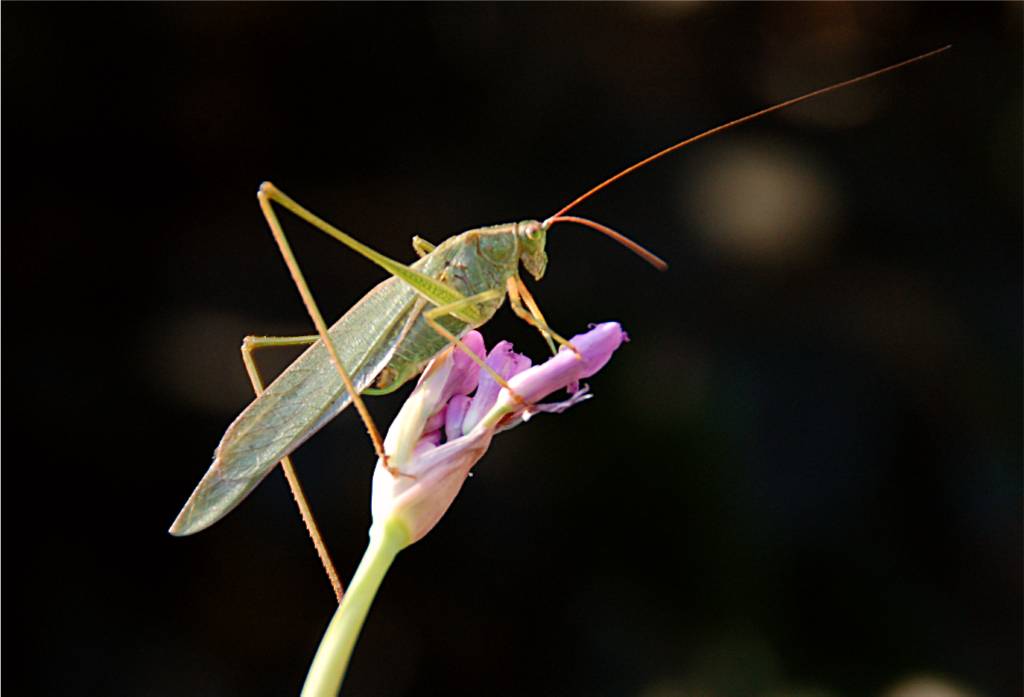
{"x": 299, "y": 402}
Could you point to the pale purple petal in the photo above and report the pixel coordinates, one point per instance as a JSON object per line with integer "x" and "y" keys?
{"x": 465, "y": 371}
{"x": 436, "y": 421}
{"x": 506, "y": 363}
{"x": 454, "y": 416}
{"x": 521, "y": 362}
{"x": 596, "y": 348}
{"x": 426, "y": 443}
{"x": 598, "y": 345}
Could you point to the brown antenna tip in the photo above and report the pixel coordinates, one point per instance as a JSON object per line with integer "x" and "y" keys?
{"x": 736, "y": 122}
{"x": 648, "y": 256}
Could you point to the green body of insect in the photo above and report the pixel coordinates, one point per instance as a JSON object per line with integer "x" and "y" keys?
{"x": 383, "y": 342}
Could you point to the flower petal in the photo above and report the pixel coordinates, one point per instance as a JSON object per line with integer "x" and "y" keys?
{"x": 419, "y": 500}
{"x": 598, "y": 345}
{"x": 429, "y": 473}
{"x": 455, "y": 415}
{"x": 436, "y": 420}
{"x": 595, "y": 349}
{"x": 429, "y": 441}
{"x": 465, "y": 371}
{"x": 506, "y": 363}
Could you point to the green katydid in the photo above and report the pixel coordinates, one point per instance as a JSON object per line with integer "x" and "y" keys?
{"x": 388, "y": 337}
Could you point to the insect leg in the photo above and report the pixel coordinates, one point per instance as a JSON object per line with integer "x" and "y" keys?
{"x": 452, "y": 308}
{"x": 421, "y": 246}
{"x": 517, "y": 288}
{"x": 318, "y": 321}
{"x": 429, "y": 287}
{"x": 516, "y": 303}
{"x": 250, "y": 344}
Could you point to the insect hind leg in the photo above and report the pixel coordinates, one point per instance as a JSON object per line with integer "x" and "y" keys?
{"x": 249, "y": 346}
{"x": 266, "y": 194}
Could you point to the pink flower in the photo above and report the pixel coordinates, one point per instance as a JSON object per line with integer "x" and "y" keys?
{"x": 445, "y": 427}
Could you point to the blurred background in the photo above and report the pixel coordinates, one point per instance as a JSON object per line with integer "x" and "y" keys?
{"x": 801, "y": 477}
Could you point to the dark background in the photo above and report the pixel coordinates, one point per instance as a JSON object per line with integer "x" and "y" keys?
{"x": 802, "y": 476}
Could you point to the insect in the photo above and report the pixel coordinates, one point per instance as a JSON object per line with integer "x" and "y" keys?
{"x": 388, "y": 337}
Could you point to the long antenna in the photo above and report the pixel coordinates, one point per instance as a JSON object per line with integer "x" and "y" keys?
{"x": 645, "y": 254}
{"x": 737, "y": 122}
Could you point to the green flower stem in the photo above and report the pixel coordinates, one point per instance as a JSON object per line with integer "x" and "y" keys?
{"x": 331, "y": 660}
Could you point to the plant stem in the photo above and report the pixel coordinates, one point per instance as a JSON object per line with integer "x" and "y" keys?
{"x": 331, "y": 660}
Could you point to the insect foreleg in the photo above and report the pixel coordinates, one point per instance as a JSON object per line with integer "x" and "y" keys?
{"x": 249, "y": 345}
{"x": 318, "y": 320}
{"x": 517, "y": 294}
{"x": 421, "y": 246}
{"x": 455, "y": 308}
